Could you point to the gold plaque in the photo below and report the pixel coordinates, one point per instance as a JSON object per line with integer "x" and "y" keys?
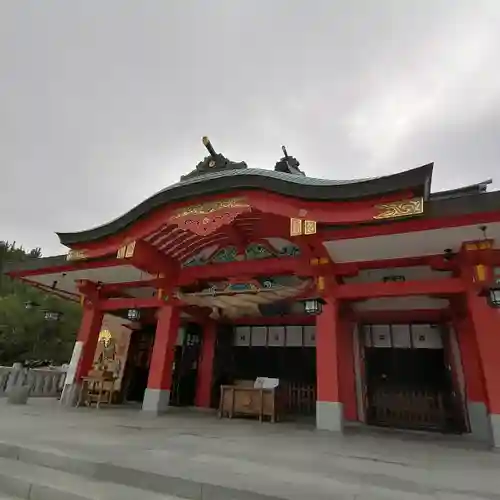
{"x": 295, "y": 227}
{"x": 76, "y": 255}
{"x": 309, "y": 227}
{"x": 126, "y": 251}
{"x": 403, "y": 208}
{"x": 121, "y": 252}
{"x": 481, "y": 272}
{"x": 129, "y": 252}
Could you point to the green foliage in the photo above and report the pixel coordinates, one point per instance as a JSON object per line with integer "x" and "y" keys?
{"x": 24, "y": 333}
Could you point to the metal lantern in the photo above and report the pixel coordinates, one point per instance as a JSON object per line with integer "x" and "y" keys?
{"x": 52, "y": 316}
{"x": 313, "y": 307}
{"x": 494, "y": 297}
{"x": 134, "y": 314}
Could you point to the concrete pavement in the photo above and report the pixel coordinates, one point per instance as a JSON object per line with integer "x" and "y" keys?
{"x": 186, "y": 453}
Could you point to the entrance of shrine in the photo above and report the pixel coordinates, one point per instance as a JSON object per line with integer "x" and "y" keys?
{"x": 135, "y": 378}
{"x": 185, "y": 369}
{"x": 408, "y": 378}
{"x": 287, "y": 353}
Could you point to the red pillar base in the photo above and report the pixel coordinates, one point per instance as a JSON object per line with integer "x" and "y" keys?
{"x": 157, "y": 395}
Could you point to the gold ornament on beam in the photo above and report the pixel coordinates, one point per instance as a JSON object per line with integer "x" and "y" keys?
{"x": 402, "y": 208}
{"x": 309, "y": 227}
{"x": 299, "y": 227}
{"x": 295, "y": 227}
{"x": 126, "y": 251}
{"x": 211, "y": 207}
{"x": 76, "y": 255}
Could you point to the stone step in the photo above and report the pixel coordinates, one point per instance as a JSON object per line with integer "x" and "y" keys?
{"x": 215, "y": 480}
{"x": 32, "y": 482}
{"x": 97, "y": 470}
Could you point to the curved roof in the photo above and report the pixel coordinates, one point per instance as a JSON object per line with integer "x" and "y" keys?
{"x": 297, "y": 186}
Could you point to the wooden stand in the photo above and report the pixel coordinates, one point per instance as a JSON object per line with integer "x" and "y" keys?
{"x": 97, "y": 388}
{"x": 238, "y": 400}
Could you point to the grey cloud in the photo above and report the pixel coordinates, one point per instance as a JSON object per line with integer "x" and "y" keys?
{"x": 104, "y": 103}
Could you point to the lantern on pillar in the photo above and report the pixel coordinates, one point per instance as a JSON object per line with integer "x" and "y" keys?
{"x": 52, "y": 316}
{"x": 314, "y": 306}
{"x": 134, "y": 314}
{"x": 494, "y": 296}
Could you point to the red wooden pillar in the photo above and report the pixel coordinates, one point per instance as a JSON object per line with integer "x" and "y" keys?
{"x": 486, "y": 326}
{"x": 475, "y": 392}
{"x": 205, "y": 367}
{"x": 83, "y": 353}
{"x": 347, "y": 376}
{"x": 329, "y": 411}
{"x": 157, "y": 395}
{"x": 88, "y": 335}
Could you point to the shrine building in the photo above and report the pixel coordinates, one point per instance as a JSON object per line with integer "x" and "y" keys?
{"x": 372, "y": 301}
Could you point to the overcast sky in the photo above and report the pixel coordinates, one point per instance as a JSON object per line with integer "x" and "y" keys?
{"x": 104, "y": 102}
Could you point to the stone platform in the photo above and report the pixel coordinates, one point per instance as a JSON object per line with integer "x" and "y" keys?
{"x": 194, "y": 455}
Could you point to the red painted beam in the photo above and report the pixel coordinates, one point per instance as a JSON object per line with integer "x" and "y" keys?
{"x": 47, "y": 289}
{"x": 66, "y": 267}
{"x": 356, "y": 291}
{"x": 289, "y": 320}
{"x": 408, "y": 226}
{"x": 264, "y": 267}
{"x": 402, "y": 316}
{"x": 149, "y": 259}
{"x": 122, "y": 304}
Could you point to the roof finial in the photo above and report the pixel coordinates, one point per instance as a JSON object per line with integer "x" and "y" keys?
{"x": 288, "y": 164}
{"x": 208, "y": 145}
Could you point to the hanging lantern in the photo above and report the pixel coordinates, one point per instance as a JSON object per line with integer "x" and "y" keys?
{"x": 134, "y": 314}
{"x": 52, "y": 316}
{"x": 494, "y": 297}
{"x": 313, "y": 307}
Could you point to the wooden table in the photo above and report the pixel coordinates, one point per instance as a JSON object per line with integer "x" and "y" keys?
{"x": 237, "y": 400}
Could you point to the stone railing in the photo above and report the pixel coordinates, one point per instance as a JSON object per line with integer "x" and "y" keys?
{"x": 43, "y": 382}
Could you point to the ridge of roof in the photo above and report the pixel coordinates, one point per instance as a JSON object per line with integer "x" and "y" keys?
{"x": 478, "y": 188}
{"x": 284, "y": 183}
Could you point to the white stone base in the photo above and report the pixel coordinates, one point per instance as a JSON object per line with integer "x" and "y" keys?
{"x": 156, "y": 401}
{"x": 495, "y": 430}
{"x": 329, "y": 416}
{"x": 480, "y": 424}
{"x": 70, "y": 395}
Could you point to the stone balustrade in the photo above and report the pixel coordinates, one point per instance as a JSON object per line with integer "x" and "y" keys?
{"x": 43, "y": 382}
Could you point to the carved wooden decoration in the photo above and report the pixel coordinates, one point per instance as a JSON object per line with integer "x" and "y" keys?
{"x": 402, "y": 208}
{"x": 207, "y": 218}
{"x": 76, "y": 255}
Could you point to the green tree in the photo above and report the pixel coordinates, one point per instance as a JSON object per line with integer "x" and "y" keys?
{"x": 25, "y": 334}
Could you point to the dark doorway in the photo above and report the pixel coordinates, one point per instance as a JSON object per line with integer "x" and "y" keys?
{"x": 408, "y": 384}
{"x": 135, "y": 379}
{"x": 185, "y": 372}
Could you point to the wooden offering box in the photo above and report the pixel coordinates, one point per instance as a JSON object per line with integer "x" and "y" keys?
{"x": 241, "y": 400}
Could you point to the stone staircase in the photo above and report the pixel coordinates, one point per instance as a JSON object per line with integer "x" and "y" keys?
{"x": 32, "y": 482}
{"x": 34, "y": 474}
